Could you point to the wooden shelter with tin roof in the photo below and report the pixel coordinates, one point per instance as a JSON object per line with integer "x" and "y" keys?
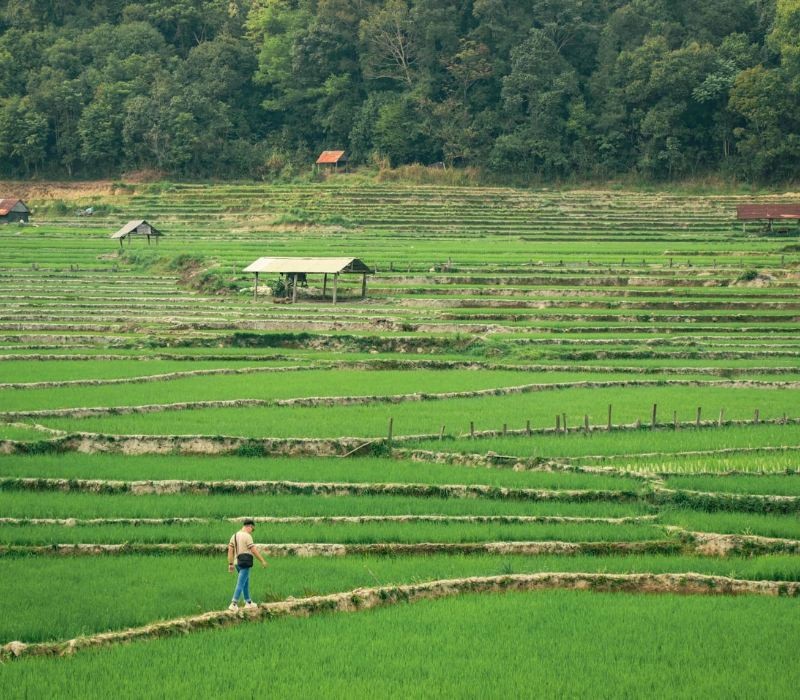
{"x": 768, "y": 213}
{"x": 139, "y": 227}
{"x": 13, "y": 210}
{"x": 332, "y": 159}
{"x": 296, "y": 270}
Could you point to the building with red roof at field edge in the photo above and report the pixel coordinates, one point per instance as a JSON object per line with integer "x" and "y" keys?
{"x": 332, "y": 159}
{"x": 776, "y": 211}
{"x": 13, "y": 210}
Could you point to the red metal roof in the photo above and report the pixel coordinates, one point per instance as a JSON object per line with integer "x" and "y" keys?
{"x": 330, "y": 157}
{"x": 6, "y": 205}
{"x": 752, "y": 212}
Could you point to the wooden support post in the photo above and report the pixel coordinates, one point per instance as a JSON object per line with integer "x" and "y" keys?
{"x": 389, "y": 435}
{"x": 675, "y": 423}
{"x": 294, "y": 288}
{"x": 121, "y": 247}
{"x": 586, "y": 423}
{"x": 472, "y": 429}
{"x": 564, "y": 421}
{"x": 528, "y": 428}
{"x": 324, "y": 284}
{"x": 608, "y": 425}
{"x": 441, "y": 433}
{"x": 756, "y": 416}
{"x": 255, "y": 287}
{"x": 364, "y": 286}
{"x": 653, "y": 417}
{"x": 721, "y": 418}
{"x": 558, "y": 423}
{"x": 335, "y": 285}
{"x": 505, "y": 429}
{"x": 699, "y": 413}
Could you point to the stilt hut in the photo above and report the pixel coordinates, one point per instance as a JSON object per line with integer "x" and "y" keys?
{"x": 296, "y": 269}
{"x": 332, "y": 160}
{"x": 140, "y": 227}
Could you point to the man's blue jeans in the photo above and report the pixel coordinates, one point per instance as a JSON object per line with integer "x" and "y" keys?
{"x": 242, "y": 585}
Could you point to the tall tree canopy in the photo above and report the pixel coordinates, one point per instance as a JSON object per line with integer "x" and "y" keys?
{"x": 542, "y": 88}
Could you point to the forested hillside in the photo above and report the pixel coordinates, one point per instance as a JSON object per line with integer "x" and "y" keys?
{"x": 542, "y": 88}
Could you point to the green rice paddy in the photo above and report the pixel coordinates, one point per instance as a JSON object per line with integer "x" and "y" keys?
{"x": 476, "y": 290}
{"x": 580, "y": 641}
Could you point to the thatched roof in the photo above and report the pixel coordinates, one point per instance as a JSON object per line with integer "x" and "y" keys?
{"x": 309, "y": 265}
{"x": 132, "y": 228}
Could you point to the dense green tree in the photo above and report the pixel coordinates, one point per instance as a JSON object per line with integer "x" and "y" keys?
{"x": 553, "y": 88}
{"x": 768, "y": 101}
{"x": 22, "y": 133}
{"x": 399, "y": 135}
{"x": 538, "y": 96}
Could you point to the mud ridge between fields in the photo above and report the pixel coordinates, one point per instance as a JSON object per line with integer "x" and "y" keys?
{"x": 696, "y": 453}
{"x": 380, "y": 596}
{"x": 94, "y": 443}
{"x": 658, "y": 495}
{"x": 723, "y": 545}
{"x": 377, "y": 365}
{"x": 334, "y": 520}
{"x": 317, "y": 488}
{"x": 674, "y": 545}
{"x": 492, "y": 459}
{"x": 680, "y": 541}
{"x": 313, "y": 401}
{"x": 716, "y": 500}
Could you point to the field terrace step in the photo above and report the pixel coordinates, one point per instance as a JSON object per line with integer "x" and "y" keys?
{"x": 367, "y": 598}
{"x": 315, "y": 488}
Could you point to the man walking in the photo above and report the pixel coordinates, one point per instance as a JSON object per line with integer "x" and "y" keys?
{"x": 241, "y": 551}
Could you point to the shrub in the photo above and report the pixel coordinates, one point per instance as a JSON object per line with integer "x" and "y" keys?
{"x": 212, "y": 282}
{"x": 296, "y": 215}
{"x": 186, "y": 261}
{"x": 139, "y": 258}
{"x": 747, "y": 276}
{"x": 278, "y": 287}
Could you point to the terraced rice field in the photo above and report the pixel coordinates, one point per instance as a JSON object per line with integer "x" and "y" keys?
{"x": 542, "y": 390}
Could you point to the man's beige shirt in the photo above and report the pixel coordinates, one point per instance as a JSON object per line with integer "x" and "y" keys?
{"x": 241, "y": 541}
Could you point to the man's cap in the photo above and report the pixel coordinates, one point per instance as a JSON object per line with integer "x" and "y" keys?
{"x": 249, "y": 521}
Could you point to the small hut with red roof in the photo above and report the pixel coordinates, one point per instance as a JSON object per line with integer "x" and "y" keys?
{"x": 332, "y": 160}
{"x": 13, "y": 210}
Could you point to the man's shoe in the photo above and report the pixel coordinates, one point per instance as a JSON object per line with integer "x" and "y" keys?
{"x": 233, "y": 606}
{"x": 250, "y": 605}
